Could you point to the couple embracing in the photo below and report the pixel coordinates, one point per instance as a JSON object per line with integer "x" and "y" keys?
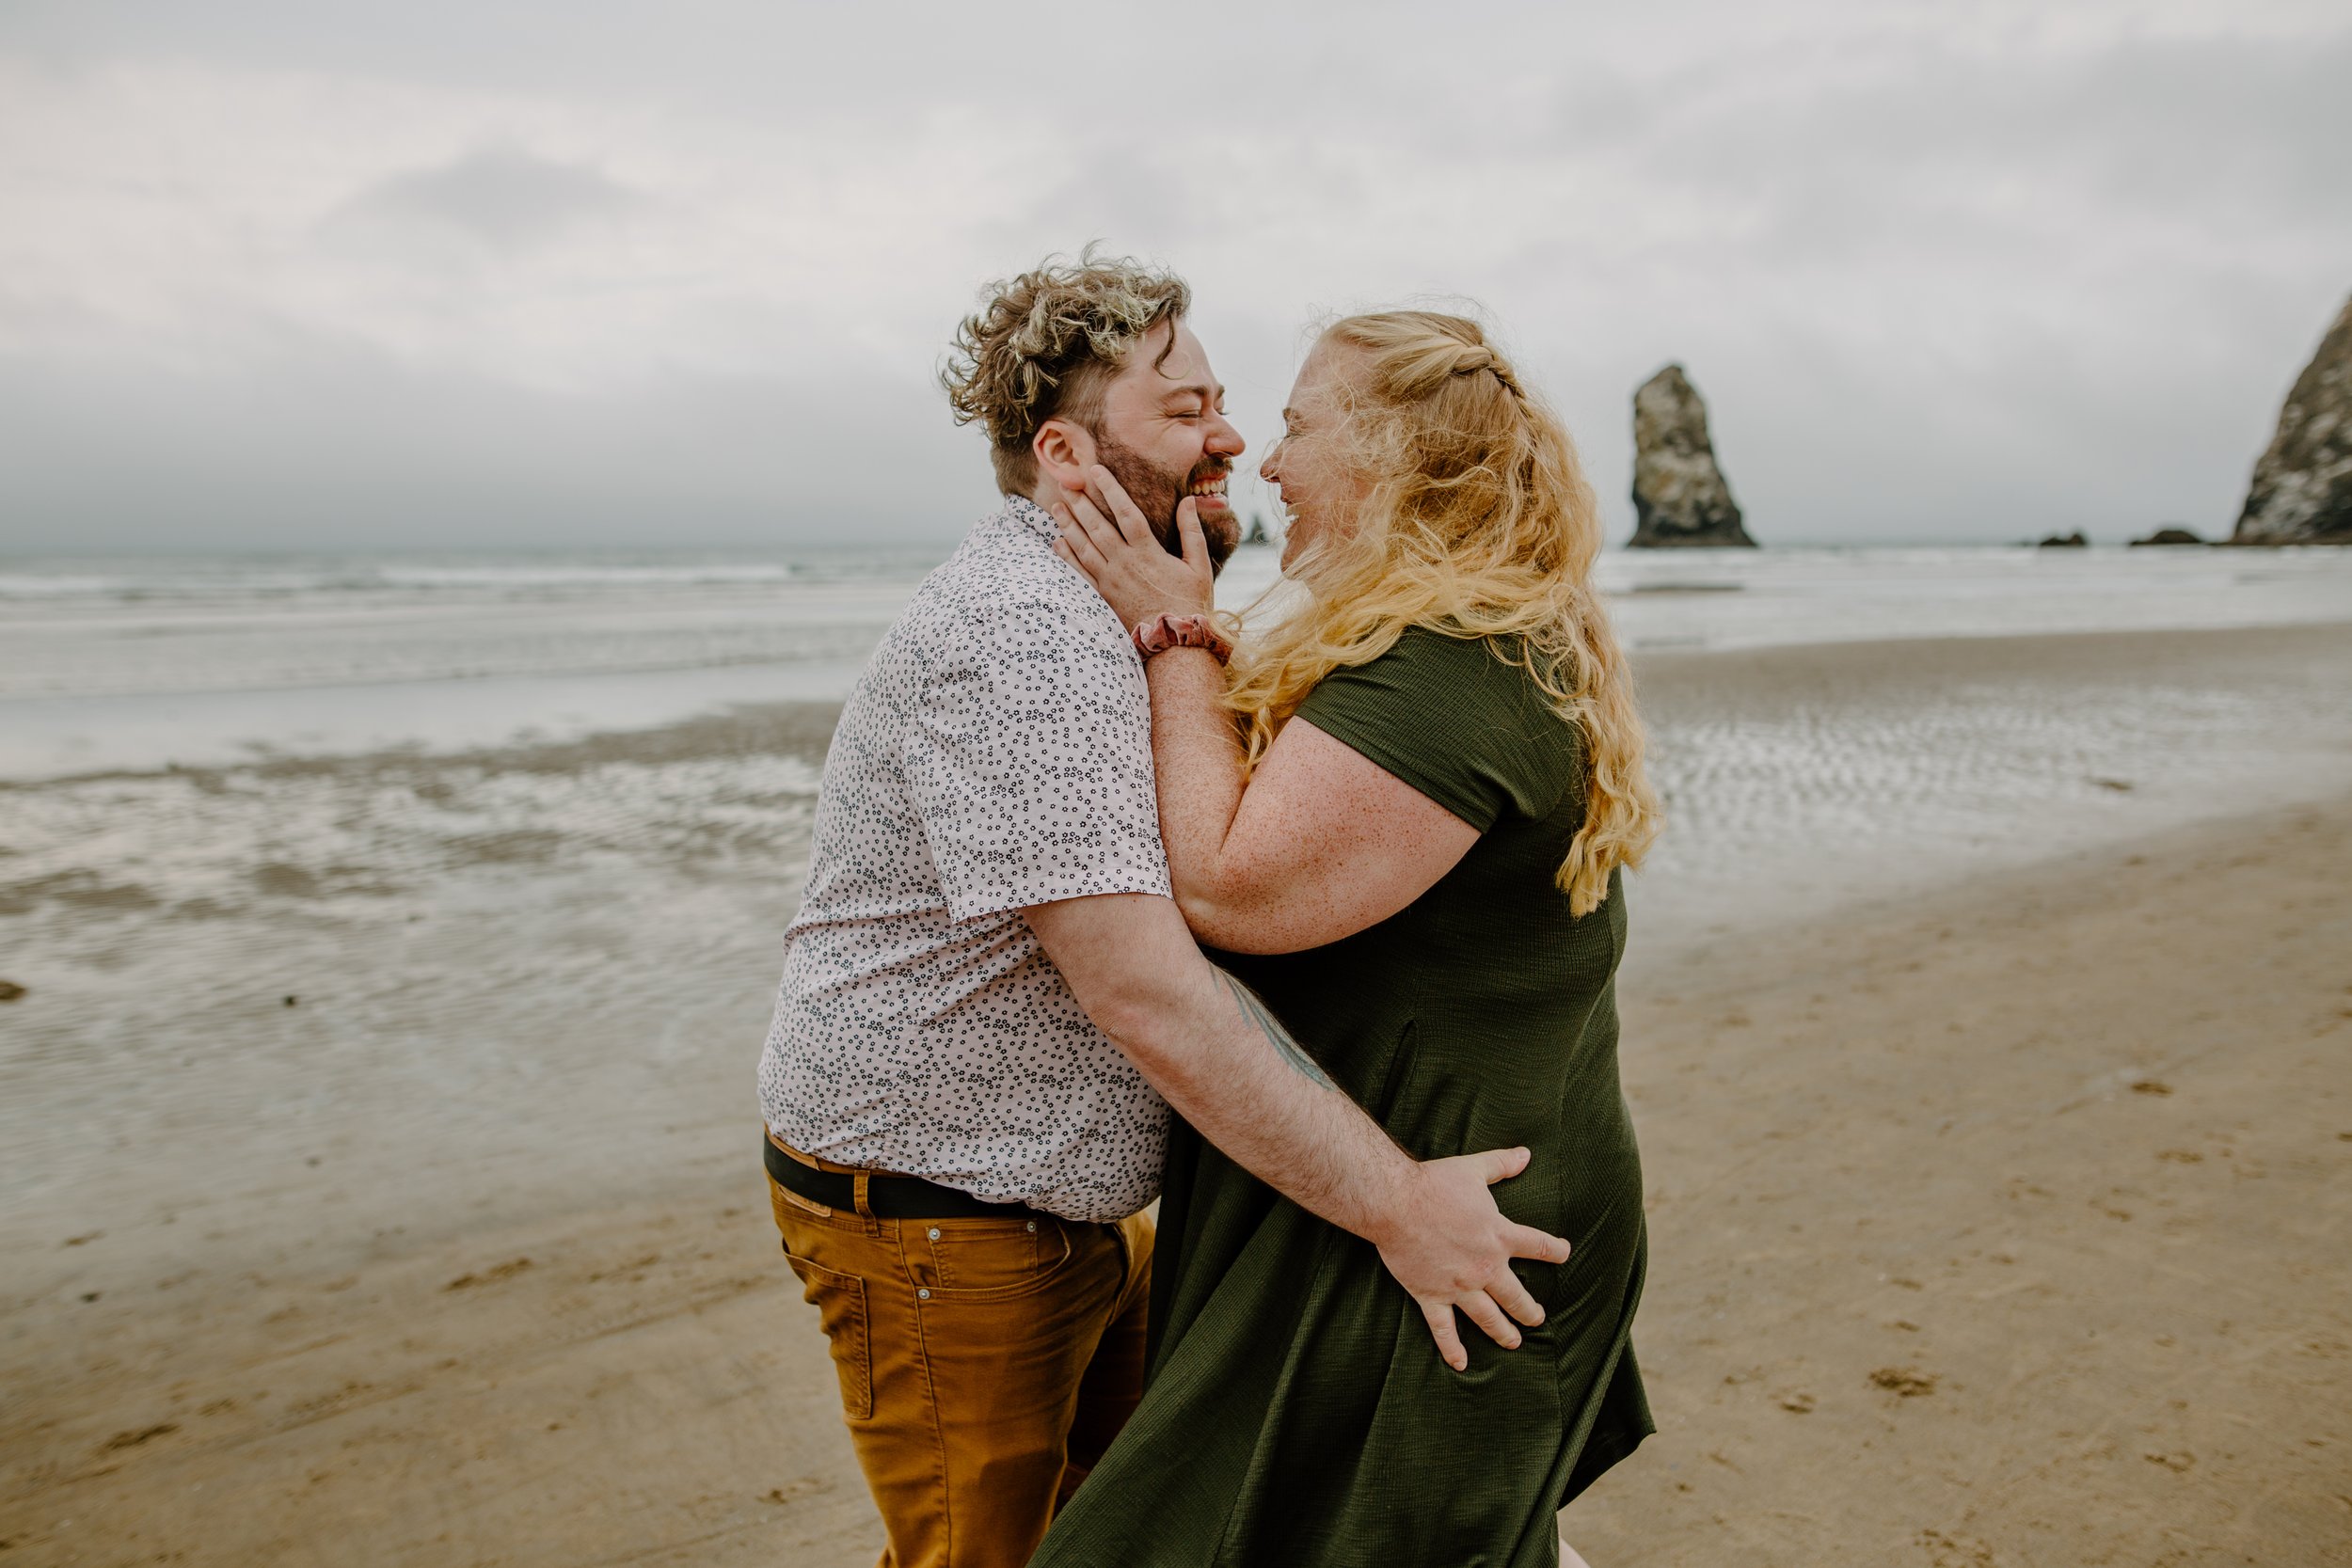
{"x": 1312, "y": 939}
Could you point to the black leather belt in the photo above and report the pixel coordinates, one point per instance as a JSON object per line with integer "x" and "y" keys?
{"x": 890, "y": 1198}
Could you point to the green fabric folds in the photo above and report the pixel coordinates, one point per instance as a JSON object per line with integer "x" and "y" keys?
{"x": 1298, "y": 1412}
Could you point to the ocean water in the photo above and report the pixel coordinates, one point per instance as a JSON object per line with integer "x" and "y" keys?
{"x": 387, "y": 893}
{"x": 131, "y": 664}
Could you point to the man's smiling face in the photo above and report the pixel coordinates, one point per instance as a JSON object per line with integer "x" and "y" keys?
{"x": 1164, "y": 435}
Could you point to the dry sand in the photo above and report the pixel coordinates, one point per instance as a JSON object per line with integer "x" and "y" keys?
{"x": 2002, "y": 1224}
{"x": 2009, "y": 1226}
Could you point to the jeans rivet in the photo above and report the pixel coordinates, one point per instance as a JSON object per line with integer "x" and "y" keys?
{"x": 934, "y": 1233}
{"x": 922, "y": 1294}
{"x": 1033, "y": 1227}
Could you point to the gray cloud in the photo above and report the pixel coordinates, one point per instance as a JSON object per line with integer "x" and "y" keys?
{"x": 500, "y": 196}
{"x": 1942, "y": 271}
{"x": 326, "y": 445}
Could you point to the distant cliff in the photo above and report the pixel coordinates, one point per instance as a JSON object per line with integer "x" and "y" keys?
{"x": 1679, "y": 496}
{"x": 2302, "y": 490}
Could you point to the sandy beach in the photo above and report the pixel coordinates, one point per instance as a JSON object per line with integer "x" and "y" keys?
{"x": 1998, "y": 1179}
{"x": 458, "y": 462}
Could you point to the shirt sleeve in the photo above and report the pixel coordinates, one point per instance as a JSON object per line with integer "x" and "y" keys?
{"x": 1464, "y": 727}
{"x": 1030, "y": 758}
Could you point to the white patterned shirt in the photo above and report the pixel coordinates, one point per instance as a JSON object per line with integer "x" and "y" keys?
{"x": 995, "y": 753}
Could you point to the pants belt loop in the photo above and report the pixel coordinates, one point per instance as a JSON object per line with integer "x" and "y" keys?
{"x": 861, "y": 1195}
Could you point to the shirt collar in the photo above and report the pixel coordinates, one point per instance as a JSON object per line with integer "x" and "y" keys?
{"x": 1025, "y": 513}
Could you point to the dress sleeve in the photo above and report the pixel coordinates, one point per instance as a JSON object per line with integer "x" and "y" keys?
{"x": 1028, "y": 755}
{"x": 1459, "y": 724}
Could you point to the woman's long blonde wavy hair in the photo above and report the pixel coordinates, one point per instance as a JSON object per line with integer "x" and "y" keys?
{"x": 1476, "y": 521}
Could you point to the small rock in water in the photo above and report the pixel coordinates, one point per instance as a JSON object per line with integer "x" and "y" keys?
{"x": 2302, "y": 488}
{"x": 2075, "y": 541}
{"x": 11, "y": 990}
{"x": 1680, "y": 496}
{"x": 291, "y": 1001}
{"x": 2169, "y": 536}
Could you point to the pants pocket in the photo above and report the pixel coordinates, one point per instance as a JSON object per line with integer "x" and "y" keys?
{"x": 840, "y": 1303}
{"x": 993, "y": 1257}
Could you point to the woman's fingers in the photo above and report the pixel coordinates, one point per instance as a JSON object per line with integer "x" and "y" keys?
{"x": 1188, "y": 531}
{"x": 1083, "y": 548}
{"x": 1440, "y": 1320}
{"x": 1062, "y": 548}
{"x": 1099, "y": 531}
{"x": 1131, "y": 526}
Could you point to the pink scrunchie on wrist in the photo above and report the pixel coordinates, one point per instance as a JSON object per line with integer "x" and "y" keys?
{"x": 1164, "y": 631}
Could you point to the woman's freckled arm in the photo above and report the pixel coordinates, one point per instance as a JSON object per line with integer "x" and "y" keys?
{"x": 1321, "y": 842}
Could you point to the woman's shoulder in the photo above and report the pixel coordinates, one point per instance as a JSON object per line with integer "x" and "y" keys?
{"x": 1445, "y": 664}
{"x": 1459, "y": 716}
{"x": 1445, "y": 645}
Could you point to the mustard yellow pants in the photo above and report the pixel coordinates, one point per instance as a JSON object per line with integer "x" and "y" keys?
{"x": 985, "y": 1364}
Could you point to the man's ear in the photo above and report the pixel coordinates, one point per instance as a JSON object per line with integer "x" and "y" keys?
{"x": 1063, "y": 450}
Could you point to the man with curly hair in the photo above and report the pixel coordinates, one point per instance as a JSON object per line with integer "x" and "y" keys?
{"x": 989, "y": 1000}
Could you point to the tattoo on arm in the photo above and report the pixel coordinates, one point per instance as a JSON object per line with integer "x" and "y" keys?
{"x": 1280, "y": 1038}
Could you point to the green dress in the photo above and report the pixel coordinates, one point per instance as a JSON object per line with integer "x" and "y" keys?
{"x": 1296, "y": 1412}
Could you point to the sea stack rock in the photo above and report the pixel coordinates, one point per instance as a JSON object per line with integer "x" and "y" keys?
{"x": 2302, "y": 490}
{"x": 1679, "y": 496}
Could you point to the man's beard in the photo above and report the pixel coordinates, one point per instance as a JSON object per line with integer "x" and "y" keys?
{"x": 1157, "y": 492}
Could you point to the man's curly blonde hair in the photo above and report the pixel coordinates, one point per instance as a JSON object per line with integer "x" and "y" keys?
{"x": 1043, "y": 345}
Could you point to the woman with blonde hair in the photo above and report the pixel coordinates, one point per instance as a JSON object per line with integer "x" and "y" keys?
{"x": 1400, "y": 816}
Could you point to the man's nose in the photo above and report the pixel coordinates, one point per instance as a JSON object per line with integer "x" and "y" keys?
{"x": 1223, "y": 438}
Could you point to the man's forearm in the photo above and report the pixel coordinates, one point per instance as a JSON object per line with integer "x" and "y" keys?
{"x": 1206, "y": 1042}
{"x": 1255, "y": 1093}
{"x": 1215, "y": 1053}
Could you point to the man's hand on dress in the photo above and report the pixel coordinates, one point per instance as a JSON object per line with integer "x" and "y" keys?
{"x": 1125, "y": 561}
{"x": 1451, "y": 1248}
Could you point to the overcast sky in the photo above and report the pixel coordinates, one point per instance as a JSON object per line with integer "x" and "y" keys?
{"x": 285, "y": 273}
